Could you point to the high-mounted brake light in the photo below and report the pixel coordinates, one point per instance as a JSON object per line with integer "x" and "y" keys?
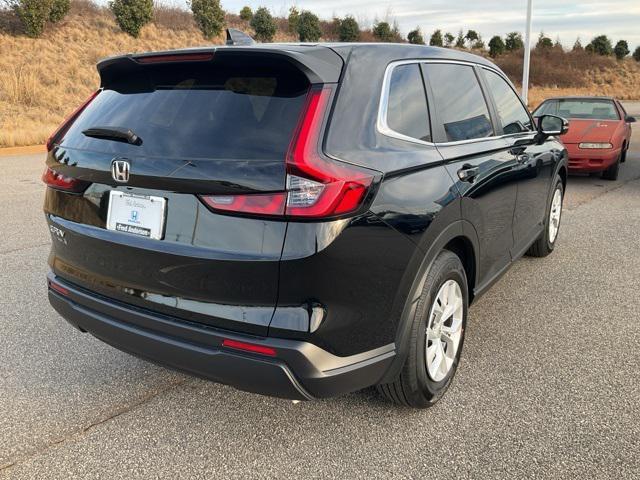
{"x": 249, "y": 347}
{"x": 316, "y": 187}
{"x": 59, "y": 181}
{"x": 176, "y": 57}
{"x": 64, "y": 126}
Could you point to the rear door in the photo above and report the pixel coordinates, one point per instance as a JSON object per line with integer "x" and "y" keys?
{"x": 534, "y": 164}
{"x": 208, "y": 127}
{"x": 476, "y": 159}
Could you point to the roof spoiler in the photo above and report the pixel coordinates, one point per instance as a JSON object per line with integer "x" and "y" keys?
{"x": 236, "y": 37}
{"x": 320, "y": 64}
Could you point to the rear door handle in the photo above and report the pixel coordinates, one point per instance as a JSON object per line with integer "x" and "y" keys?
{"x": 468, "y": 172}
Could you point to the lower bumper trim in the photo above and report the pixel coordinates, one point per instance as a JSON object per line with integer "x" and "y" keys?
{"x": 301, "y": 370}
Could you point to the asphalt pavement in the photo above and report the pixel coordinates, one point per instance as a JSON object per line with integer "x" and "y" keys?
{"x": 548, "y": 386}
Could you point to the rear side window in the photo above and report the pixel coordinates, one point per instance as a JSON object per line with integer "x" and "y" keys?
{"x": 206, "y": 110}
{"x": 513, "y": 116}
{"x": 407, "y": 111}
{"x": 459, "y": 101}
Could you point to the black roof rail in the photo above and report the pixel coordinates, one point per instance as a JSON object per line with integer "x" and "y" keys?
{"x": 236, "y": 37}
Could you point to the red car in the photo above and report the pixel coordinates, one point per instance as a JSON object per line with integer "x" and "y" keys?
{"x": 599, "y": 132}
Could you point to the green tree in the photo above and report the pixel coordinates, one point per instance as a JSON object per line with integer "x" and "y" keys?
{"x": 348, "y": 29}
{"x": 460, "y": 39}
{"x": 382, "y": 31}
{"x": 132, "y": 15}
{"x": 471, "y": 36}
{"x": 636, "y": 54}
{"x": 59, "y": 10}
{"x": 496, "y": 46}
{"x": 449, "y": 39}
{"x": 246, "y": 14}
{"x": 293, "y": 19}
{"x": 309, "y": 27}
{"x": 436, "y": 39}
{"x": 209, "y": 16}
{"x": 513, "y": 42}
{"x": 600, "y": 45}
{"x": 621, "y": 49}
{"x": 33, "y": 14}
{"x": 577, "y": 47}
{"x": 264, "y": 25}
{"x": 415, "y": 37}
{"x": 544, "y": 42}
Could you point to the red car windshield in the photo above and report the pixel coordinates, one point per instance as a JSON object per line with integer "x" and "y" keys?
{"x": 590, "y": 109}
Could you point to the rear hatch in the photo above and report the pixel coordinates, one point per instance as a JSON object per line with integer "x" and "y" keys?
{"x": 166, "y": 134}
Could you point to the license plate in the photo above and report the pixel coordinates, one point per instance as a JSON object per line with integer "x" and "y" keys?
{"x": 136, "y": 214}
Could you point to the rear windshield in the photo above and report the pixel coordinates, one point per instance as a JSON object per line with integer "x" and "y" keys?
{"x": 580, "y": 108}
{"x": 206, "y": 110}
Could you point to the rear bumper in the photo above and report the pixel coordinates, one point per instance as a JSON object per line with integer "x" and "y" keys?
{"x": 583, "y": 160}
{"x": 300, "y": 370}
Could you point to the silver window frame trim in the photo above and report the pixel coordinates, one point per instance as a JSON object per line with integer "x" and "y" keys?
{"x": 383, "y": 127}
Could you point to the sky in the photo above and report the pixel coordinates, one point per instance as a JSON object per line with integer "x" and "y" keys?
{"x": 618, "y": 19}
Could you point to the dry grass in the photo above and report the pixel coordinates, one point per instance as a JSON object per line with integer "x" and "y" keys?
{"x": 557, "y": 73}
{"x": 42, "y": 80}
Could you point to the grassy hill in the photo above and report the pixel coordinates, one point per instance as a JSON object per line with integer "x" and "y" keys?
{"x": 42, "y": 80}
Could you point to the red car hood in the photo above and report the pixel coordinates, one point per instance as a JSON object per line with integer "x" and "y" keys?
{"x": 590, "y": 130}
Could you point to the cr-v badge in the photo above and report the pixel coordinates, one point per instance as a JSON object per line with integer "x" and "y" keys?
{"x": 120, "y": 170}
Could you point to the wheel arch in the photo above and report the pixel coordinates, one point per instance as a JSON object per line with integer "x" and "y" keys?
{"x": 562, "y": 171}
{"x": 459, "y": 237}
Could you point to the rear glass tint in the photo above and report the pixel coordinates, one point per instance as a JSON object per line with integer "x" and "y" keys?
{"x": 407, "y": 110}
{"x": 459, "y": 101}
{"x": 208, "y": 110}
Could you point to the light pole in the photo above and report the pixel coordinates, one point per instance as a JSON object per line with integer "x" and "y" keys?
{"x": 527, "y": 55}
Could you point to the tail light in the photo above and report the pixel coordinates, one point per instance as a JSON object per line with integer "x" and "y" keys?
{"x": 316, "y": 187}
{"x": 64, "y": 126}
{"x": 59, "y": 181}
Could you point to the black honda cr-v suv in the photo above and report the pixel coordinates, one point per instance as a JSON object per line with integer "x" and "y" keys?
{"x": 297, "y": 220}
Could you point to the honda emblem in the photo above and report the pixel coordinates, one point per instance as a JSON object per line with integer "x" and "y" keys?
{"x": 120, "y": 171}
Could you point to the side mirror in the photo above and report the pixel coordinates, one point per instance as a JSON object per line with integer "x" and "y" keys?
{"x": 630, "y": 119}
{"x": 549, "y": 125}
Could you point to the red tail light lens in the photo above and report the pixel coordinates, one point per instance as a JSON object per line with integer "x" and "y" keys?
{"x": 59, "y": 181}
{"x": 319, "y": 187}
{"x": 249, "y": 347}
{"x": 260, "y": 204}
{"x": 64, "y": 126}
{"x": 316, "y": 187}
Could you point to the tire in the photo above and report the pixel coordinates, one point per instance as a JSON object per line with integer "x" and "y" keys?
{"x": 416, "y": 386}
{"x": 623, "y": 156}
{"x": 546, "y": 242}
{"x": 611, "y": 173}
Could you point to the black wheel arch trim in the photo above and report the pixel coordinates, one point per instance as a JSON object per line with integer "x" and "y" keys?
{"x": 458, "y": 229}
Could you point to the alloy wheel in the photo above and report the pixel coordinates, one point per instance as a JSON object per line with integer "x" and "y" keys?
{"x": 554, "y": 215}
{"x": 444, "y": 330}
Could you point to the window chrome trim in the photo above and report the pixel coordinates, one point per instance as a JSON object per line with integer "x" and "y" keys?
{"x": 383, "y": 106}
{"x": 383, "y": 127}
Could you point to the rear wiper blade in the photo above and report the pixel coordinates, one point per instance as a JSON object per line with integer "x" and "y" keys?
{"x": 118, "y": 134}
